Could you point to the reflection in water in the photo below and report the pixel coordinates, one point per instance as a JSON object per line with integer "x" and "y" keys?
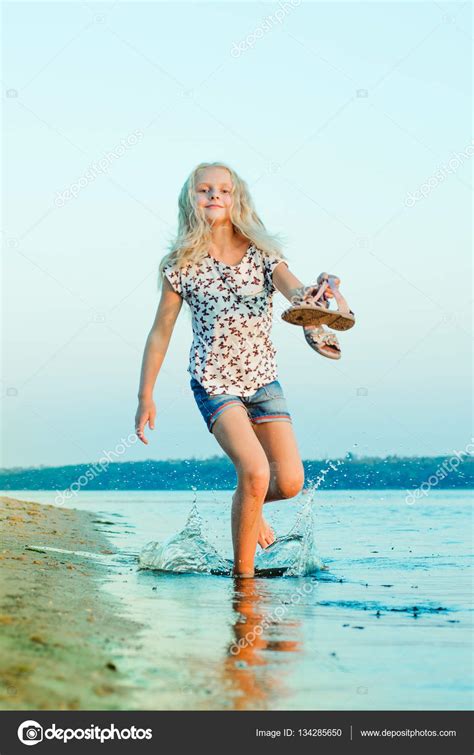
{"x": 251, "y": 673}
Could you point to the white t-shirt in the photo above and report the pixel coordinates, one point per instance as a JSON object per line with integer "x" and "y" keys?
{"x": 231, "y": 308}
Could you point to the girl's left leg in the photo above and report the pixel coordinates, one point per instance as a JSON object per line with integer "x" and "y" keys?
{"x": 281, "y": 449}
{"x": 286, "y": 468}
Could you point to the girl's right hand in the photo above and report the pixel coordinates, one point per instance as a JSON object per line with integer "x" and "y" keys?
{"x": 146, "y": 412}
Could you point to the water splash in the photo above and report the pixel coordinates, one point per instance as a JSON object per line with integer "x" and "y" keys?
{"x": 187, "y": 551}
{"x": 296, "y": 551}
{"x": 291, "y": 555}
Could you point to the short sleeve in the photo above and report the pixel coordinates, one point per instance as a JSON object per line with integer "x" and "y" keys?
{"x": 270, "y": 262}
{"x": 173, "y": 275}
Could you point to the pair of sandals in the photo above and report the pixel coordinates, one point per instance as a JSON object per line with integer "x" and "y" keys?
{"x": 310, "y": 308}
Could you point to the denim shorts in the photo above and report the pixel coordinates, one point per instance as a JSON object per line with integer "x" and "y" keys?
{"x": 267, "y": 404}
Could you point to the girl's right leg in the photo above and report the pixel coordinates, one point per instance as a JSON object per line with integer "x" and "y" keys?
{"x": 234, "y": 433}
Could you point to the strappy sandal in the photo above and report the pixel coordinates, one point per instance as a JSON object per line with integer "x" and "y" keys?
{"x": 323, "y": 342}
{"x": 311, "y": 305}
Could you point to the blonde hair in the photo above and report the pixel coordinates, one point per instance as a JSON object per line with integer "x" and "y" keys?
{"x": 191, "y": 243}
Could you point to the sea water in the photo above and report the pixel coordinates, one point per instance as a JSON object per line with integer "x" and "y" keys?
{"x": 386, "y": 625}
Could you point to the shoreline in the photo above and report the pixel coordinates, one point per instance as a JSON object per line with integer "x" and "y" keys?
{"x": 62, "y": 635}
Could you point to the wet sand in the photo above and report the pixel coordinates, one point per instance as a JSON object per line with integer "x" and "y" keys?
{"x": 61, "y": 633}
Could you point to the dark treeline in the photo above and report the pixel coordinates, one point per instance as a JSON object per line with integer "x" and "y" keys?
{"x": 217, "y": 473}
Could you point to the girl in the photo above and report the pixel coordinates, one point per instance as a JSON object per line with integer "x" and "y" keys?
{"x": 227, "y": 267}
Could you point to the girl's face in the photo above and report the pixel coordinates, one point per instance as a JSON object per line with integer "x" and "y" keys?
{"x": 213, "y": 190}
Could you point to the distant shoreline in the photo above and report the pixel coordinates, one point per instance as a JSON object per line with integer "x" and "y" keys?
{"x": 217, "y": 473}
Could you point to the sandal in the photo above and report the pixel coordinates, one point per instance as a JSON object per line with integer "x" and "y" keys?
{"x": 311, "y": 305}
{"x": 323, "y": 342}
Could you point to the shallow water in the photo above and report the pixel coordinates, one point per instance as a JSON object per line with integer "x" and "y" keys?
{"x": 387, "y": 626}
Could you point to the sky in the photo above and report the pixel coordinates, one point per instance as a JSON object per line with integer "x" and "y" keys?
{"x": 351, "y": 123}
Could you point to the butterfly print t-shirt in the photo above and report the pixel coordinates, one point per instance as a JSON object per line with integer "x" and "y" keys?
{"x": 231, "y": 307}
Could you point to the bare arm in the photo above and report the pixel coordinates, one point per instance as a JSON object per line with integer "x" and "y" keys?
{"x": 287, "y": 283}
{"x": 155, "y": 351}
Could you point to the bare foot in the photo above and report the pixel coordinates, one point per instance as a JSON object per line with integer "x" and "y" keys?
{"x": 266, "y": 535}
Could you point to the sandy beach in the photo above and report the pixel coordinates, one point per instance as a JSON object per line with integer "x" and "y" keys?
{"x": 59, "y": 630}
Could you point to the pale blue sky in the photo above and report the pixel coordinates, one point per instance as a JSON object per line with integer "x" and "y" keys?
{"x": 332, "y": 116}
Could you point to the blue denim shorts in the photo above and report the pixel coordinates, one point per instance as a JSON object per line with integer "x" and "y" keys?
{"x": 267, "y": 404}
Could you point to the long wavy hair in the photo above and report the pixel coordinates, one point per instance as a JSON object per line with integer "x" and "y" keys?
{"x": 191, "y": 243}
